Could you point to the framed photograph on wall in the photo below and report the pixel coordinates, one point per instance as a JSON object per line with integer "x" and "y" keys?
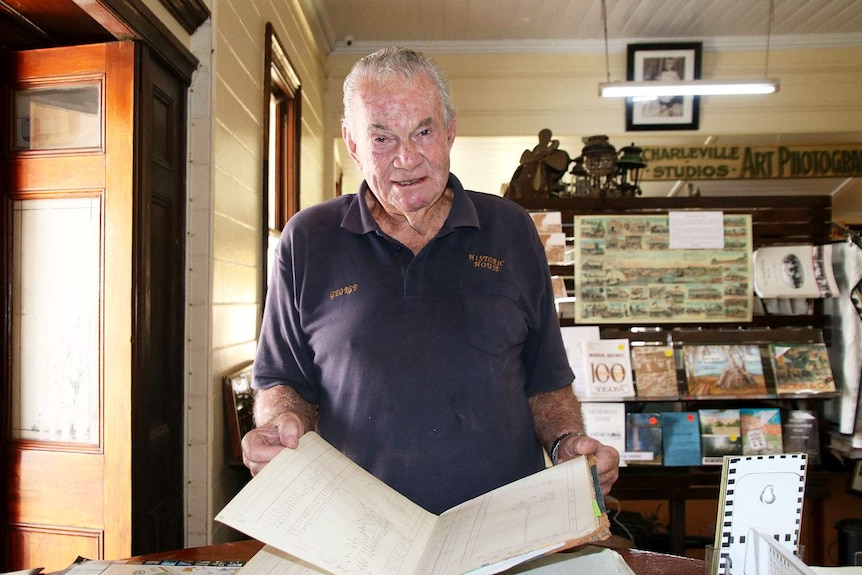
{"x": 663, "y": 62}
{"x": 239, "y": 407}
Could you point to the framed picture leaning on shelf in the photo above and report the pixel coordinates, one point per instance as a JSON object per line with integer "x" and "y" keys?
{"x": 657, "y": 63}
{"x": 856, "y": 479}
{"x": 239, "y": 408}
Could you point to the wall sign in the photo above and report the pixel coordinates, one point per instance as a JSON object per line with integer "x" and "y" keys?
{"x": 751, "y": 162}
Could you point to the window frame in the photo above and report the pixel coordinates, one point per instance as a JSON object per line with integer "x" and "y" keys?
{"x": 282, "y": 131}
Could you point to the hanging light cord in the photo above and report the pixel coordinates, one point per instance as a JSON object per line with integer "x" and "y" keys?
{"x": 607, "y": 58}
{"x": 768, "y": 35}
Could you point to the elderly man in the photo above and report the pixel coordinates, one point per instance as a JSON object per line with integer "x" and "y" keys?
{"x": 412, "y": 324}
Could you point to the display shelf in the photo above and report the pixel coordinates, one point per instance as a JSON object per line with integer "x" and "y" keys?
{"x": 775, "y": 220}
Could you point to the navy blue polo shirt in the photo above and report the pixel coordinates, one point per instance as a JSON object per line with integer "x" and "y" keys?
{"x": 421, "y": 365}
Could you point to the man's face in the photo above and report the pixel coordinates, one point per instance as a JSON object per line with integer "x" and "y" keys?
{"x": 398, "y": 139}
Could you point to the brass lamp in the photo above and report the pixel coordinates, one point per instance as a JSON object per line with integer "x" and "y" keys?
{"x": 631, "y": 161}
{"x": 581, "y": 179}
{"x": 600, "y": 160}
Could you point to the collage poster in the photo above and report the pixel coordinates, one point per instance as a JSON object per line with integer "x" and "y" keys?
{"x": 627, "y": 273}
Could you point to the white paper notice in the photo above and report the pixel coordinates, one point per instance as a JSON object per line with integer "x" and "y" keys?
{"x": 696, "y": 230}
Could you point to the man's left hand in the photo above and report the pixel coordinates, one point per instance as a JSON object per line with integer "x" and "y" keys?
{"x": 607, "y": 458}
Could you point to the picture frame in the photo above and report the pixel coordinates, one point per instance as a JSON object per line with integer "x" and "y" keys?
{"x": 239, "y": 407}
{"x": 655, "y": 62}
{"x": 856, "y": 479}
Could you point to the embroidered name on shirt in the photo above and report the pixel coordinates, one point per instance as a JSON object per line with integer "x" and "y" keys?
{"x": 346, "y": 290}
{"x": 487, "y": 262}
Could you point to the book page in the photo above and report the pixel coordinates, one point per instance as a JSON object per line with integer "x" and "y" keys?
{"x": 556, "y": 506}
{"x": 765, "y": 556}
{"x": 317, "y": 505}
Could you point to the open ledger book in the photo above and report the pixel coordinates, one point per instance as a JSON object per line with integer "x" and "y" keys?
{"x": 318, "y": 512}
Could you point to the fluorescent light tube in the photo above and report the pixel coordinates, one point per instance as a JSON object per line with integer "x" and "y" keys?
{"x": 687, "y": 88}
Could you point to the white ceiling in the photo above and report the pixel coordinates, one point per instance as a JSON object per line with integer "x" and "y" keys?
{"x": 507, "y": 21}
{"x": 475, "y": 26}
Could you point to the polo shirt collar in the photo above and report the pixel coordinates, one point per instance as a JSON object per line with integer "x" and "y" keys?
{"x": 359, "y": 220}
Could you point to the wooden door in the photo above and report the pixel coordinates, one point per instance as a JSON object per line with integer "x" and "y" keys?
{"x": 67, "y": 238}
{"x": 158, "y": 392}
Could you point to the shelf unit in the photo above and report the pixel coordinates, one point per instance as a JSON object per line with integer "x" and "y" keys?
{"x": 776, "y": 220}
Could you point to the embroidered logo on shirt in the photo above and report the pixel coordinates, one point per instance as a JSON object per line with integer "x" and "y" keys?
{"x": 487, "y": 262}
{"x": 346, "y": 290}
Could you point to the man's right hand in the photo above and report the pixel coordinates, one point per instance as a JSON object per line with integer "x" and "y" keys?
{"x": 262, "y": 444}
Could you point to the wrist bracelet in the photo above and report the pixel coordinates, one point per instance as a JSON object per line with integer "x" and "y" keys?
{"x": 555, "y": 447}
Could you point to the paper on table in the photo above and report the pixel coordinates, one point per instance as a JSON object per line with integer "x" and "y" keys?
{"x": 316, "y": 505}
{"x": 590, "y": 559}
{"x": 119, "y": 568}
{"x": 271, "y": 560}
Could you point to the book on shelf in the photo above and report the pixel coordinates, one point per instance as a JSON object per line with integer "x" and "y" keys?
{"x": 555, "y": 248}
{"x": 315, "y": 509}
{"x": 761, "y": 430}
{"x": 758, "y": 492}
{"x": 845, "y": 444}
{"x": 728, "y": 370}
{"x": 608, "y": 369}
{"x": 801, "y": 368}
{"x": 643, "y": 439}
{"x": 563, "y": 303}
{"x": 680, "y": 438}
{"x": 574, "y": 337}
{"x": 801, "y": 433}
{"x": 655, "y": 371}
{"x": 720, "y": 434}
{"x": 606, "y": 422}
{"x": 558, "y": 283}
{"x": 549, "y": 222}
{"x": 549, "y": 225}
{"x": 797, "y": 271}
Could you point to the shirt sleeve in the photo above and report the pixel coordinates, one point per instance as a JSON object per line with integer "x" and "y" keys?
{"x": 284, "y": 356}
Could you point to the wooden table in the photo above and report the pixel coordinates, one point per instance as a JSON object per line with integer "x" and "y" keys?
{"x": 641, "y": 562}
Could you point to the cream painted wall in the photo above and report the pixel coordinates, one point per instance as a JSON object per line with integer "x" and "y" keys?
{"x": 225, "y": 203}
{"x": 498, "y": 95}
{"x": 519, "y": 94}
